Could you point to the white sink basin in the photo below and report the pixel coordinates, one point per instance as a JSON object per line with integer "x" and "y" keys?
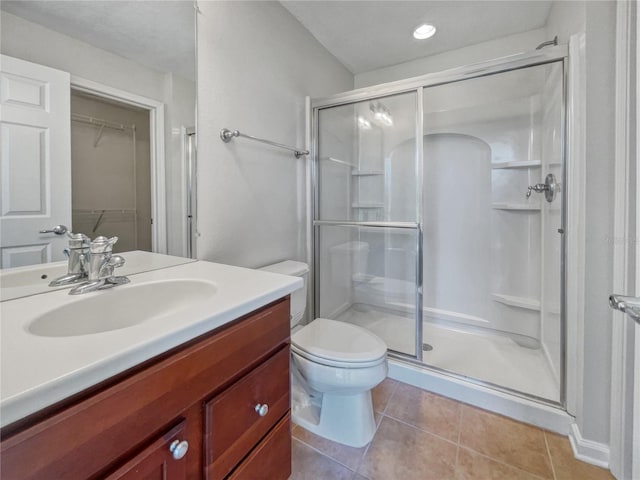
{"x": 41, "y": 275}
{"x": 122, "y": 307}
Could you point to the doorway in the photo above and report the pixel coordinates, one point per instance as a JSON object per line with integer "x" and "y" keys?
{"x": 110, "y": 170}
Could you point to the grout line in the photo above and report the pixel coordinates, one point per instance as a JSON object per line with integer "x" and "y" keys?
{"x": 546, "y": 442}
{"x": 393, "y": 393}
{"x": 504, "y": 463}
{"x": 325, "y": 455}
{"x": 421, "y": 429}
{"x": 455, "y": 467}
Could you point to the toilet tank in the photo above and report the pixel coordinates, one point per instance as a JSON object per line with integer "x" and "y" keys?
{"x": 299, "y": 297}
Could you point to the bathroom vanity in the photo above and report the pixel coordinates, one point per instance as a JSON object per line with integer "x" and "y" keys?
{"x": 201, "y": 391}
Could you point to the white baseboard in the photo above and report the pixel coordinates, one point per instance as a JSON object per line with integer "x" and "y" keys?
{"x": 588, "y": 450}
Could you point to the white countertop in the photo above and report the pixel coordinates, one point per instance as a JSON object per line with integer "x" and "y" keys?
{"x": 24, "y": 281}
{"x": 38, "y": 371}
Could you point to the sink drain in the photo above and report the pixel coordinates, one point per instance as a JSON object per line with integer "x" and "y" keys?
{"x": 426, "y": 347}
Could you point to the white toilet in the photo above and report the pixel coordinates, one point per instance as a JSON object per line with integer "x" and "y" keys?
{"x": 334, "y": 366}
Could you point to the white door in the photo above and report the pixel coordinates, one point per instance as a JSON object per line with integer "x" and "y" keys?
{"x": 35, "y": 162}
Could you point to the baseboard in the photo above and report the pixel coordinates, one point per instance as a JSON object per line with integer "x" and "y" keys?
{"x": 588, "y": 450}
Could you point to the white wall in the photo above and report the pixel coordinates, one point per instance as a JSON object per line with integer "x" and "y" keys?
{"x": 480, "y": 52}
{"x": 256, "y": 63}
{"x": 35, "y": 43}
{"x": 600, "y": 65}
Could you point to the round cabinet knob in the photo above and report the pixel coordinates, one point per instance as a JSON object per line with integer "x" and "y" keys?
{"x": 179, "y": 448}
{"x": 262, "y": 409}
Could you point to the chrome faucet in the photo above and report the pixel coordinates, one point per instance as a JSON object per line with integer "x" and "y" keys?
{"x": 78, "y": 246}
{"x": 99, "y": 263}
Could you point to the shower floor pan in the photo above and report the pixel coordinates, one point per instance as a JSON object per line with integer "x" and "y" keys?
{"x": 490, "y": 358}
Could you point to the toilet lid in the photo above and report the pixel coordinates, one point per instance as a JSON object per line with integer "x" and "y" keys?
{"x": 334, "y": 341}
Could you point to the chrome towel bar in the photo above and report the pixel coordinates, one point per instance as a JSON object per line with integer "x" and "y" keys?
{"x": 227, "y": 135}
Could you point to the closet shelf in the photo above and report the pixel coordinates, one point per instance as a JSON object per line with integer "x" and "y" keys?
{"x": 521, "y": 164}
{"x": 520, "y": 302}
{"x": 515, "y": 206}
{"x": 367, "y": 205}
{"x": 366, "y": 173}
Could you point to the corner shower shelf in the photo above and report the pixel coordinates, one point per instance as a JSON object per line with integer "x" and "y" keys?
{"x": 521, "y": 164}
{"x": 520, "y": 302}
{"x": 367, "y": 205}
{"x": 515, "y": 206}
{"x": 366, "y": 173}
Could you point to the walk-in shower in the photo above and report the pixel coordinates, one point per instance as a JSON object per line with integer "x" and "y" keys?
{"x": 438, "y": 220}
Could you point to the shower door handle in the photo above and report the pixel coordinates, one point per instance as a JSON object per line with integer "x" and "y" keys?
{"x": 628, "y": 305}
{"x": 549, "y": 187}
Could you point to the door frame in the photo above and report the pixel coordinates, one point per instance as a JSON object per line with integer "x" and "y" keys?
{"x": 157, "y": 150}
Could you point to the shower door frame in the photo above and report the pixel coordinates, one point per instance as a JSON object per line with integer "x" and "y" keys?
{"x": 506, "y": 64}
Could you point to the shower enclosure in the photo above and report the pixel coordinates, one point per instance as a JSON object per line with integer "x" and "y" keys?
{"x": 439, "y": 220}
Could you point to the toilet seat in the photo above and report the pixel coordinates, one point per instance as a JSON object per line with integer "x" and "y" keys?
{"x": 338, "y": 344}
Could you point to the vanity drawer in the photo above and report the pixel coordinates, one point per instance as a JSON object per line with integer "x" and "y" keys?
{"x": 233, "y": 426}
{"x": 271, "y": 459}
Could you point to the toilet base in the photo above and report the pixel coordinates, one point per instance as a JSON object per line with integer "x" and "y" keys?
{"x": 346, "y": 419}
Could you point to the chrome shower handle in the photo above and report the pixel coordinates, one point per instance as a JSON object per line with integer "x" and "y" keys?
{"x": 538, "y": 188}
{"x": 549, "y": 187}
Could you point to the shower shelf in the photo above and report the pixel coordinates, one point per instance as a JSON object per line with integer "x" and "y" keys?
{"x": 520, "y": 302}
{"x": 521, "y": 164}
{"x": 367, "y": 205}
{"x": 515, "y": 206}
{"x": 338, "y": 161}
{"x": 366, "y": 173}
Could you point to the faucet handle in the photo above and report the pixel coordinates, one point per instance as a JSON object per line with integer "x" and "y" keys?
{"x": 102, "y": 244}
{"x": 113, "y": 261}
{"x": 78, "y": 240}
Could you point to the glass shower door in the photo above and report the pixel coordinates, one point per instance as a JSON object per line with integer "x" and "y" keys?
{"x": 367, "y": 234}
{"x": 493, "y": 226}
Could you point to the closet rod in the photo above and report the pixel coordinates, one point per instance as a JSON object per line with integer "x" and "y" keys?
{"x": 99, "y": 122}
{"x": 227, "y": 135}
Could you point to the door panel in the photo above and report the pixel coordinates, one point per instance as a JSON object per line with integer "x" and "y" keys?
{"x": 35, "y": 162}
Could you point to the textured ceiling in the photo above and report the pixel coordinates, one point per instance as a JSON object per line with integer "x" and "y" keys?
{"x": 157, "y": 34}
{"x": 366, "y": 35}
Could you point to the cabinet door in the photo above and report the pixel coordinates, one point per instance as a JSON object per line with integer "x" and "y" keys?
{"x": 157, "y": 462}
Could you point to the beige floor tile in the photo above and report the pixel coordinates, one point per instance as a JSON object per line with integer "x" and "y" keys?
{"x": 473, "y": 466}
{"x": 425, "y": 410}
{"x": 566, "y": 466}
{"x": 382, "y": 393}
{"x": 308, "y": 464}
{"x": 348, "y": 456}
{"x": 506, "y": 440}
{"x": 399, "y": 451}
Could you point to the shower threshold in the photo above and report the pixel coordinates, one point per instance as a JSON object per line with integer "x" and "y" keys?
{"x": 483, "y": 356}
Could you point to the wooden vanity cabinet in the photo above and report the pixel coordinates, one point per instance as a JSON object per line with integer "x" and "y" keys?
{"x": 225, "y": 393}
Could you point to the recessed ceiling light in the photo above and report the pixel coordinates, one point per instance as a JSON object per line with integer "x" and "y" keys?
{"x": 424, "y": 31}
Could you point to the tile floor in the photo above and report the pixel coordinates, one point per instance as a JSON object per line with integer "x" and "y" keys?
{"x": 424, "y": 436}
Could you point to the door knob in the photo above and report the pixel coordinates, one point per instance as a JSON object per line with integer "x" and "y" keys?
{"x": 58, "y": 230}
{"x": 628, "y": 305}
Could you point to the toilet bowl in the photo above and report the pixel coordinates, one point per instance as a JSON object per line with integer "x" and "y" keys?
{"x": 334, "y": 366}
